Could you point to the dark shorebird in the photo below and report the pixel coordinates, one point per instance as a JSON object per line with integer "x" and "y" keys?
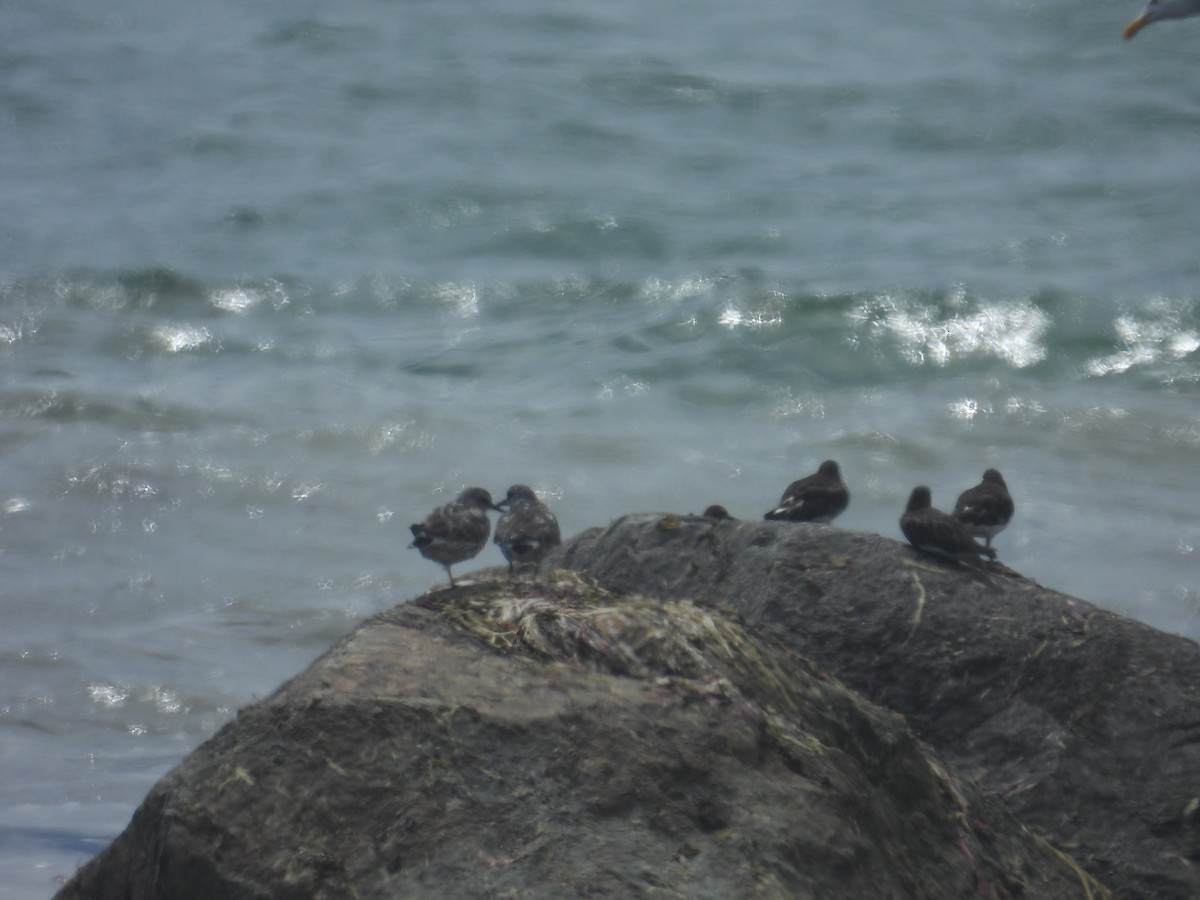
{"x": 456, "y": 531}
{"x": 717, "y": 511}
{"x": 987, "y": 508}
{"x": 933, "y": 531}
{"x": 821, "y": 497}
{"x": 527, "y": 530}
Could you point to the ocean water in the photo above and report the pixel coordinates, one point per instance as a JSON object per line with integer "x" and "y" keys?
{"x": 277, "y": 278}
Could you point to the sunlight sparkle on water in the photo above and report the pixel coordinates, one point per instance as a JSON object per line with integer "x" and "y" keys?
{"x": 178, "y": 338}
{"x": 1156, "y": 335}
{"x": 733, "y": 318}
{"x": 1010, "y": 331}
{"x": 236, "y": 300}
{"x": 108, "y": 695}
{"x": 965, "y": 409}
{"x": 165, "y": 700}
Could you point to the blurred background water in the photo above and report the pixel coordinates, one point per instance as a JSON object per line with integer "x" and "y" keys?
{"x": 277, "y": 278}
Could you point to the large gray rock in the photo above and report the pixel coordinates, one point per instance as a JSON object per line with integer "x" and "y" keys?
{"x": 555, "y": 740}
{"x": 1086, "y": 724}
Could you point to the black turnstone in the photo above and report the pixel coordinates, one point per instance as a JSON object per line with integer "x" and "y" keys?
{"x": 820, "y": 497}
{"x": 718, "y": 512}
{"x": 456, "y": 531}
{"x": 933, "y": 531}
{"x": 987, "y": 508}
{"x": 527, "y": 530}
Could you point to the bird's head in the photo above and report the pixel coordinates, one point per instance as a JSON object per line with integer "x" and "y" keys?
{"x": 1161, "y": 9}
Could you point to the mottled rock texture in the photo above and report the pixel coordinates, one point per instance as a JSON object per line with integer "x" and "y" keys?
{"x": 700, "y": 708}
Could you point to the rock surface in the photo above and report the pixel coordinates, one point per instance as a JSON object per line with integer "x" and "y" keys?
{"x": 680, "y": 731}
{"x": 1085, "y": 723}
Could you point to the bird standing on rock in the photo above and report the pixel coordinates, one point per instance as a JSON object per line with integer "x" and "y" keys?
{"x": 456, "y": 531}
{"x": 987, "y": 508}
{"x": 820, "y": 497}
{"x": 935, "y": 532}
{"x": 527, "y": 530}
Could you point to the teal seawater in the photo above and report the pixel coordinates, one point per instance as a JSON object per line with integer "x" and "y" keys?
{"x": 277, "y": 279}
